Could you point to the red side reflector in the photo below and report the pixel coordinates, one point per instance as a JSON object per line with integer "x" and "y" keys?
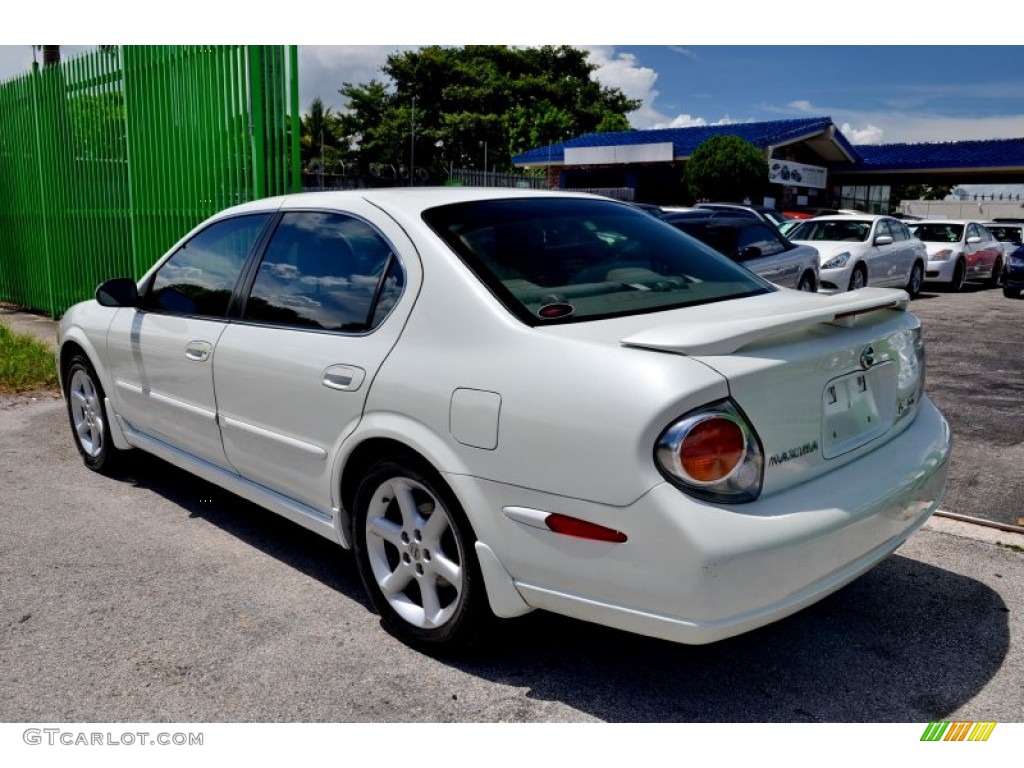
{"x": 572, "y": 526}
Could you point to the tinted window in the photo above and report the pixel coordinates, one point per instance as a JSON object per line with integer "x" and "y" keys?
{"x": 899, "y": 230}
{"x": 558, "y": 260}
{"x": 1005, "y": 234}
{"x": 201, "y": 275}
{"x": 324, "y": 271}
{"x": 938, "y": 233}
{"x": 759, "y": 237}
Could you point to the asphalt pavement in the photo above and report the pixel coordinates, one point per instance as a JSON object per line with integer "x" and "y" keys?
{"x": 156, "y": 597}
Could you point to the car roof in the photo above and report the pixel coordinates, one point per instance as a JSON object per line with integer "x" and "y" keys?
{"x": 408, "y": 198}
{"x": 719, "y": 221}
{"x": 850, "y": 217}
{"x": 945, "y": 221}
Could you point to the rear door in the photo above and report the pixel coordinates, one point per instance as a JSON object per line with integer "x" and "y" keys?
{"x": 323, "y": 311}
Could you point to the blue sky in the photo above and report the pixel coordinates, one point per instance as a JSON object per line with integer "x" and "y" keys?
{"x": 875, "y": 94}
{"x": 967, "y": 84}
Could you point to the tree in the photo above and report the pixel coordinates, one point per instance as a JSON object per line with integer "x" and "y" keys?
{"x": 319, "y": 139}
{"x": 727, "y": 169}
{"x": 920, "y": 191}
{"x": 454, "y": 106}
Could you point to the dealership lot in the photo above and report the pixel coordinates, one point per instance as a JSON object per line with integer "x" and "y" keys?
{"x": 155, "y": 596}
{"x": 975, "y": 374}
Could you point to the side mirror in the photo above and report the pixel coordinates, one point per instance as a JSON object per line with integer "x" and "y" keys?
{"x": 974, "y": 240}
{"x": 883, "y": 240}
{"x": 750, "y": 252}
{"x": 119, "y": 292}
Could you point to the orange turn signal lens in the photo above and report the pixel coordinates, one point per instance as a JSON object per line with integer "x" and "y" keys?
{"x": 712, "y": 449}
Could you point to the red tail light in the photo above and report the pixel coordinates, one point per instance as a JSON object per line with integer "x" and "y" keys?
{"x": 713, "y": 453}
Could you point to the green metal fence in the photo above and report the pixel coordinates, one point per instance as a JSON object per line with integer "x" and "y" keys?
{"x": 107, "y": 158}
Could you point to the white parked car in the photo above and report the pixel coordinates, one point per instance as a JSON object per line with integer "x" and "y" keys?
{"x": 863, "y": 250}
{"x": 507, "y": 400}
{"x": 958, "y": 251}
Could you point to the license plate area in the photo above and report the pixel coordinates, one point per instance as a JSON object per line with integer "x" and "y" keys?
{"x": 858, "y": 408}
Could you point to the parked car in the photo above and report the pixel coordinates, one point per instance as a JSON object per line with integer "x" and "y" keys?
{"x": 958, "y": 251}
{"x": 504, "y": 400}
{"x": 758, "y": 246}
{"x": 863, "y": 250}
{"x": 736, "y": 209}
{"x": 1010, "y": 236}
{"x": 1013, "y": 273}
{"x": 809, "y": 213}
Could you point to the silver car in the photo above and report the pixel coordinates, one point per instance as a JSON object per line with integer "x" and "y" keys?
{"x": 758, "y": 246}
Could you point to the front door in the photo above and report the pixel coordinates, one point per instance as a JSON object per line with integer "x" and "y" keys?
{"x": 292, "y": 375}
{"x": 162, "y": 354}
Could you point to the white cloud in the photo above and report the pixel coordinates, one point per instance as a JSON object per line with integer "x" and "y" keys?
{"x": 625, "y": 72}
{"x": 323, "y": 69}
{"x": 871, "y": 134}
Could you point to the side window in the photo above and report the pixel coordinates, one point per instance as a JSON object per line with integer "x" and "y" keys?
{"x": 760, "y": 237}
{"x": 325, "y": 271}
{"x": 201, "y": 275}
{"x": 882, "y": 228}
{"x": 973, "y": 230}
{"x": 899, "y": 232}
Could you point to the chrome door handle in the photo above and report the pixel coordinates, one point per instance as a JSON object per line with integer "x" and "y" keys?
{"x": 198, "y": 351}
{"x": 347, "y": 378}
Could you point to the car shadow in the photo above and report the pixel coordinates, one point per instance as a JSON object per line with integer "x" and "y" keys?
{"x": 907, "y": 642}
{"x": 933, "y": 291}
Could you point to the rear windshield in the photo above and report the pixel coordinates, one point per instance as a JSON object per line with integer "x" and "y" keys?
{"x": 553, "y": 261}
{"x": 938, "y": 233}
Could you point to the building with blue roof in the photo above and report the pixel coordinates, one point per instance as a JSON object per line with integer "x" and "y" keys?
{"x": 811, "y": 163}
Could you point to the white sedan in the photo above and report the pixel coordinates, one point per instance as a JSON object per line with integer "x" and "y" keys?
{"x": 864, "y": 250}
{"x": 959, "y": 251}
{"x": 507, "y": 400}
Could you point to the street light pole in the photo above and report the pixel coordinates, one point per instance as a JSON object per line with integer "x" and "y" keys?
{"x": 412, "y": 143}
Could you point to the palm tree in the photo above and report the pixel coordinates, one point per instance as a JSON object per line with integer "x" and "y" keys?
{"x": 317, "y": 132}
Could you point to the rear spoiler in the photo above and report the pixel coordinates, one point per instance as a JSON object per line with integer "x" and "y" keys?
{"x": 715, "y": 334}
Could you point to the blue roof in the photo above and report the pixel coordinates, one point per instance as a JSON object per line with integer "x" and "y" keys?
{"x": 994, "y": 153}
{"x": 686, "y": 140}
{"x": 952, "y": 155}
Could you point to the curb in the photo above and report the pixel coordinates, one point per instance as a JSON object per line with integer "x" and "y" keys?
{"x": 975, "y": 528}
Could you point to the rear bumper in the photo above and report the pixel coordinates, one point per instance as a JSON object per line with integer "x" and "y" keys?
{"x": 695, "y": 573}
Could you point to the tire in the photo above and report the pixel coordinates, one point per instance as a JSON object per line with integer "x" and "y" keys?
{"x": 959, "y": 277}
{"x": 1011, "y": 293}
{"x": 807, "y": 283}
{"x": 859, "y": 278}
{"x": 87, "y": 415}
{"x": 997, "y": 274}
{"x": 913, "y": 286}
{"x": 414, "y": 550}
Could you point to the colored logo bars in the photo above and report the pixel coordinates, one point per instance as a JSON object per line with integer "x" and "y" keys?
{"x": 958, "y": 731}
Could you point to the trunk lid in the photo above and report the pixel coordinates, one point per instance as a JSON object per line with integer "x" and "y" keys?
{"x": 822, "y": 379}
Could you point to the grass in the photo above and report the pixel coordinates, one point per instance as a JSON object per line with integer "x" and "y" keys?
{"x": 26, "y": 364}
